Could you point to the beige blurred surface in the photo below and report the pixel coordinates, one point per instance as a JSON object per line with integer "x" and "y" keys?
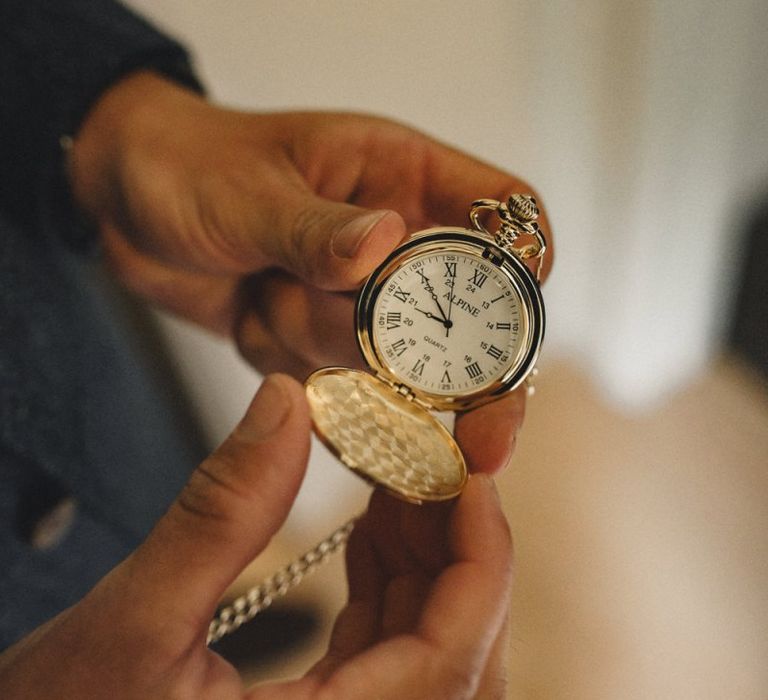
{"x": 642, "y": 554}
{"x": 641, "y": 548}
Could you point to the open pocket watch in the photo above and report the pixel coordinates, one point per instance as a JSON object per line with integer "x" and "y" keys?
{"x": 452, "y": 319}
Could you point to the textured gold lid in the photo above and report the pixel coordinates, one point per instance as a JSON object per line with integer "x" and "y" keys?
{"x": 384, "y": 437}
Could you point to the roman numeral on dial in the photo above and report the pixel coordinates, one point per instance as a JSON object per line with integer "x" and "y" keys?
{"x": 399, "y": 346}
{"x": 418, "y": 368}
{"x": 494, "y": 352}
{"x": 393, "y": 320}
{"x": 473, "y": 370}
{"x": 450, "y": 269}
{"x": 401, "y": 295}
{"x": 478, "y": 278}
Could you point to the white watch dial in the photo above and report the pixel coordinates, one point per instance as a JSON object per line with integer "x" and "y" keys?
{"x": 449, "y": 323}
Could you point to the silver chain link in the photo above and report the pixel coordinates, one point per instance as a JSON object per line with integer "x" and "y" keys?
{"x": 260, "y": 597}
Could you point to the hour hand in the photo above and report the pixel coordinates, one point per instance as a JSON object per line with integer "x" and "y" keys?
{"x": 443, "y": 321}
{"x": 430, "y": 315}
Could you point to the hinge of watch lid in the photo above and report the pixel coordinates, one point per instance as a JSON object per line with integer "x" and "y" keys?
{"x": 405, "y": 391}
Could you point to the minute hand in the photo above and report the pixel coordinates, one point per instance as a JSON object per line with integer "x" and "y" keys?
{"x": 448, "y": 322}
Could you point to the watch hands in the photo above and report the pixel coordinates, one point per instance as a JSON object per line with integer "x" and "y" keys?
{"x": 431, "y": 290}
{"x": 449, "y": 323}
{"x": 431, "y": 315}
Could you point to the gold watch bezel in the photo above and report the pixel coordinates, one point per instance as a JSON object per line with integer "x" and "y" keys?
{"x": 460, "y": 240}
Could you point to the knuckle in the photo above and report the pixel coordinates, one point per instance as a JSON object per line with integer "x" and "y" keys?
{"x": 308, "y": 250}
{"x": 302, "y": 240}
{"x": 209, "y": 493}
{"x": 254, "y": 342}
{"x": 196, "y": 503}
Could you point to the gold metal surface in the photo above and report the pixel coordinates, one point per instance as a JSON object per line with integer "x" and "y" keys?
{"x": 518, "y": 218}
{"x": 380, "y": 426}
{"x": 384, "y": 437}
{"x": 475, "y": 243}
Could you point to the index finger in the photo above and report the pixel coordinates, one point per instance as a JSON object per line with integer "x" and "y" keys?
{"x": 487, "y": 435}
{"x": 461, "y": 618}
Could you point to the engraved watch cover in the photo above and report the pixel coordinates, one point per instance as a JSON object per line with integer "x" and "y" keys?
{"x": 384, "y": 437}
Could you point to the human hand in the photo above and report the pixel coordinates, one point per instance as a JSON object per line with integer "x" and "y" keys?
{"x": 428, "y": 608}
{"x": 259, "y": 226}
{"x": 428, "y": 597}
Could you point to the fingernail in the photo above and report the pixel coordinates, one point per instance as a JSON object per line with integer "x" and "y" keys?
{"x": 347, "y": 240}
{"x": 267, "y": 411}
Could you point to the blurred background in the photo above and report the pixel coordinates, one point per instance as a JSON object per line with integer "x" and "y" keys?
{"x": 639, "y": 493}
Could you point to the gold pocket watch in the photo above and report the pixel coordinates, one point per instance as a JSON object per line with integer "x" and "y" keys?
{"x": 452, "y": 319}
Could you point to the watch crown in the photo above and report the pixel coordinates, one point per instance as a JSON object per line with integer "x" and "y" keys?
{"x": 522, "y": 208}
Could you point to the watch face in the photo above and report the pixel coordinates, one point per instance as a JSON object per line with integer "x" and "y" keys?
{"x": 449, "y": 322}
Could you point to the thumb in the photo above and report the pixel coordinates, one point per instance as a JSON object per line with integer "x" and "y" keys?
{"x": 228, "y": 511}
{"x": 328, "y": 244}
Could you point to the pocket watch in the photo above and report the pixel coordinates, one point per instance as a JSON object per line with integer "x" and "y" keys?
{"x": 452, "y": 319}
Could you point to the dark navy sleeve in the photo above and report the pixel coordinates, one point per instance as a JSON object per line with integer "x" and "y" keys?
{"x": 56, "y": 58}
